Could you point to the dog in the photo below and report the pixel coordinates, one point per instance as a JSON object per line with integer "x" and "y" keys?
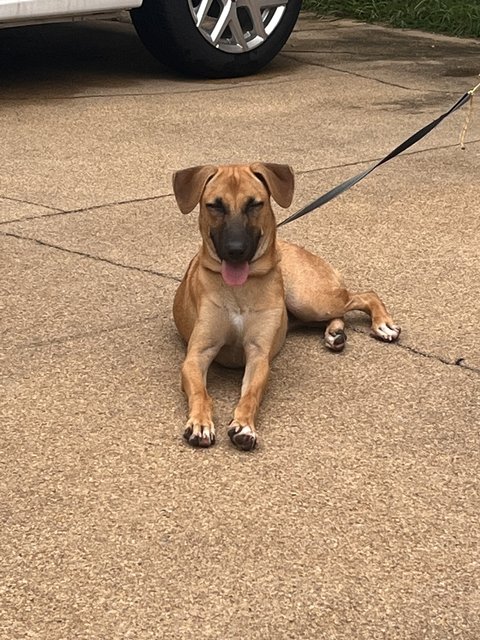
{"x": 243, "y": 287}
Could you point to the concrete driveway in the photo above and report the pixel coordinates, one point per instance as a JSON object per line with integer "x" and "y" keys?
{"x": 358, "y": 515}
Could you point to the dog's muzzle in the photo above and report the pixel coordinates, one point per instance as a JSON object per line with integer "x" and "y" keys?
{"x": 235, "y": 244}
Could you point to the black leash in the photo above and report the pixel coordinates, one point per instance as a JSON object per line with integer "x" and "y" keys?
{"x": 336, "y": 191}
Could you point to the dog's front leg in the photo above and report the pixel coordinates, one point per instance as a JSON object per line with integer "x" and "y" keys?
{"x": 199, "y": 430}
{"x": 242, "y": 428}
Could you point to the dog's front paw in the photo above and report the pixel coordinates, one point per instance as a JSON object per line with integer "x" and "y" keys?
{"x": 198, "y": 434}
{"x": 388, "y": 332}
{"x": 242, "y": 436}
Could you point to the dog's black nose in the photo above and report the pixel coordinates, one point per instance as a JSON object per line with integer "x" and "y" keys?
{"x": 236, "y": 250}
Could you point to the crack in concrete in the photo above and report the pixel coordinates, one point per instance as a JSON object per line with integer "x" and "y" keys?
{"x": 460, "y": 362}
{"x": 61, "y": 212}
{"x": 83, "y": 254}
{"x": 371, "y": 160}
{"x": 363, "y": 76}
{"x": 207, "y": 89}
{"x": 87, "y": 334}
{"x": 22, "y": 201}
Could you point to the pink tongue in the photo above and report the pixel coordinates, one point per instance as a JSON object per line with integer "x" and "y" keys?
{"x": 235, "y": 274}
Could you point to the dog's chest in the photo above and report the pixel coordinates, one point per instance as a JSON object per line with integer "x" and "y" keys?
{"x": 237, "y": 320}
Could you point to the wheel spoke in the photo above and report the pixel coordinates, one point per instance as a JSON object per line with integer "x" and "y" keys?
{"x": 258, "y": 22}
{"x": 237, "y": 31}
{"x": 222, "y": 22}
{"x": 202, "y": 11}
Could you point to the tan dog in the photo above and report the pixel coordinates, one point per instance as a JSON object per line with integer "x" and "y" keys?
{"x": 233, "y": 301}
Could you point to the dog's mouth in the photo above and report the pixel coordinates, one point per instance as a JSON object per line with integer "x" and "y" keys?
{"x": 235, "y": 273}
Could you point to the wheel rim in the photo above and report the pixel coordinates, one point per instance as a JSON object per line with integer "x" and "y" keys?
{"x": 237, "y": 26}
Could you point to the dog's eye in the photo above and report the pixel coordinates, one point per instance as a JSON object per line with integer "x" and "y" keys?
{"x": 217, "y": 207}
{"x": 253, "y": 206}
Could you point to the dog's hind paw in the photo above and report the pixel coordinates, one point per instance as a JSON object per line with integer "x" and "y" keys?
{"x": 199, "y": 435}
{"x": 243, "y": 437}
{"x": 387, "y": 332}
{"x": 335, "y": 340}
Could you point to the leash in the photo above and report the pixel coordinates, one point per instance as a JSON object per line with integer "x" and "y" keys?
{"x": 413, "y": 139}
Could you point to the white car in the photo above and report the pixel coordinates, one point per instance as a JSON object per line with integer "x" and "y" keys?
{"x": 210, "y": 38}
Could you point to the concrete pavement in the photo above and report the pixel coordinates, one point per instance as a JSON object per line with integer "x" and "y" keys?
{"x": 357, "y": 517}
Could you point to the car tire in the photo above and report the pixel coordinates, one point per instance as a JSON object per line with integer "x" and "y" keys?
{"x": 168, "y": 30}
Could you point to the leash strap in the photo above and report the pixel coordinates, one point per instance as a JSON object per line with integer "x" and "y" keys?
{"x": 413, "y": 139}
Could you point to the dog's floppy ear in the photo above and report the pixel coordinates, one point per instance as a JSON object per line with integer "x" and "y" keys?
{"x": 279, "y": 180}
{"x": 188, "y": 185}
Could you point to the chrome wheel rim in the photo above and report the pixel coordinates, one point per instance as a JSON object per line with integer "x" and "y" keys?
{"x": 237, "y": 26}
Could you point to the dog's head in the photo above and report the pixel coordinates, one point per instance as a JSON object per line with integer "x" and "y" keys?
{"x": 236, "y": 218}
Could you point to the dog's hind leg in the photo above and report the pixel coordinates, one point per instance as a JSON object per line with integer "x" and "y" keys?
{"x": 382, "y": 322}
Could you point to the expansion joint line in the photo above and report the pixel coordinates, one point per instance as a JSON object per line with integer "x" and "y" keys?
{"x": 83, "y": 254}
{"x": 459, "y": 362}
